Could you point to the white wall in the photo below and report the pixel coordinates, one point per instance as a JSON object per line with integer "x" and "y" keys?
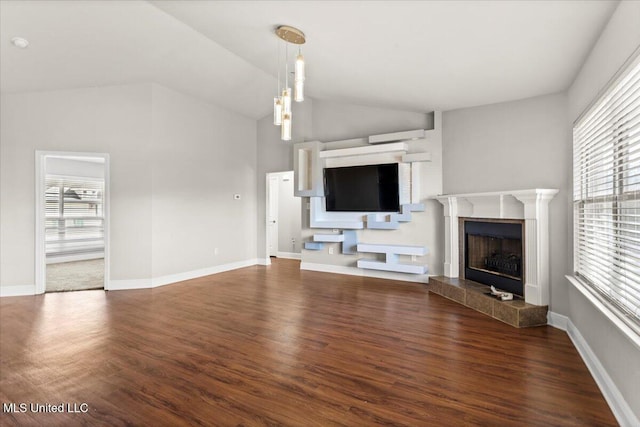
{"x": 201, "y": 156}
{"x": 337, "y": 121}
{"x": 510, "y": 146}
{"x": 618, "y": 41}
{"x": 175, "y": 165}
{"x": 114, "y": 120}
{"x": 619, "y": 357}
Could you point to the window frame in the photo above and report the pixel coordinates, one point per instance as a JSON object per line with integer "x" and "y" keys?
{"x": 627, "y": 322}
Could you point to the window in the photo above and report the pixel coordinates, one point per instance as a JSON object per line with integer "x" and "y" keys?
{"x": 606, "y": 167}
{"x": 74, "y": 217}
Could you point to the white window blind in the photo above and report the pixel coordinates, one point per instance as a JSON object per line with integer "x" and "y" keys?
{"x": 74, "y": 221}
{"x": 606, "y": 167}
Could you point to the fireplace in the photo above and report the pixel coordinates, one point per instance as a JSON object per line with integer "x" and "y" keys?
{"x": 493, "y": 253}
{"x": 528, "y": 207}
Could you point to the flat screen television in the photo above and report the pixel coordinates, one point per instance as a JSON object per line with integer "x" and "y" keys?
{"x": 369, "y": 188}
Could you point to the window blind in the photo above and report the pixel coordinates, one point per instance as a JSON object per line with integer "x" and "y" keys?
{"x": 74, "y": 219}
{"x": 606, "y": 167}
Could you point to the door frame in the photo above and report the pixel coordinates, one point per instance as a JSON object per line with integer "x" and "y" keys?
{"x": 40, "y": 213}
{"x": 268, "y": 194}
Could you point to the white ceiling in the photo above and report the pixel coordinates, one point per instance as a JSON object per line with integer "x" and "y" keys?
{"x": 411, "y": 55}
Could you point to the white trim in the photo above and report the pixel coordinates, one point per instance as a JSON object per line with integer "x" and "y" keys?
{"x": 619, "y": 406}
{"x": 288, "y": 255}
{"x": 179, "y": 277}
{"x": 76, "y": 257}
{"x": 367, "y": 149}
{"x": 267, "y": 195}
{"x": 632, "y": 334}
{"x": 40, "y": 257}
{"x": 396, "y": 136}
{"x": 263, "y": 261}
{"x": 128, "y": 284}
{"x": 558, "y": 321}
{"x": 187, "y": 275}
{"x": 17, "y": 291}
{"x": 354, "y": 271}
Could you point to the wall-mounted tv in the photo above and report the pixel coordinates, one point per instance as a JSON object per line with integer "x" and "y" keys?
{"x": 369, "y": 188}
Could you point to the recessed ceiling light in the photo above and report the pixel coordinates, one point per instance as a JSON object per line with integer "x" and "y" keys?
{"x": 19, "y": 42}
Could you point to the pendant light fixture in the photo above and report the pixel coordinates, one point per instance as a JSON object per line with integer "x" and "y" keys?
{"x": 282, "y": 103}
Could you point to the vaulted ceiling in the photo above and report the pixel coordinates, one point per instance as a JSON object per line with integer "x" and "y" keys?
{"x": 408, "y": 55}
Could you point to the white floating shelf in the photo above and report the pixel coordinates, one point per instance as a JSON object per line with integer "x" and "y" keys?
{"x": 369, "y": 149}
{"x": 396, "y": 136}
{"x": 398, "y": 268}
{"x": 328, "y": 237}
{"x": 392, "y": 249}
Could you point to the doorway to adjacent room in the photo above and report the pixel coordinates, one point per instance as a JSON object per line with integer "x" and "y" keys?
{"x": 72, "y": 221}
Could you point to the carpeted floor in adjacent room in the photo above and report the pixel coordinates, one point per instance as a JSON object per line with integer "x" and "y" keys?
{"x": 75, "y": 276}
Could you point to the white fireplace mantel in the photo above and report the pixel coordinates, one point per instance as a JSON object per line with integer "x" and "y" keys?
{"x": 532, "y": 206}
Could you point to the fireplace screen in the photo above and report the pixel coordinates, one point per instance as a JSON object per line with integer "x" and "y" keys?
{"x": 493, "y": 254}
{"x": 497, "y": 255}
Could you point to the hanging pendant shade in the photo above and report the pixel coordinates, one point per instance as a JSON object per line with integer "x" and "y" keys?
{"x": 299, "y": 79}
{"x": 277, "y": 110}
{"x": 298, "y": 90}
{"x": 285, "y": 133}
{"x": 286, "y": 100}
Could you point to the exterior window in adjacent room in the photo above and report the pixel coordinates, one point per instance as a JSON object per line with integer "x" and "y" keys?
{"x": 606, "y": 198}
{"x": 74, "y": 216}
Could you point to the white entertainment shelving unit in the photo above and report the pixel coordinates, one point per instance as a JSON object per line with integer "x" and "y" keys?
{"x": 405, "y": 148}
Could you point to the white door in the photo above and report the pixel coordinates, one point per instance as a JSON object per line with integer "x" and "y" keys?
{"x": 272, "y": 215}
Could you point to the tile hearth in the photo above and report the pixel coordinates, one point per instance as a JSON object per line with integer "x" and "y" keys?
{"x": 516, "y": 313}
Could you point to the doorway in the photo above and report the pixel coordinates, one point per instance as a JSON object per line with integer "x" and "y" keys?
{"x": 72, "y": 221}
{"x": 283, "y": 217}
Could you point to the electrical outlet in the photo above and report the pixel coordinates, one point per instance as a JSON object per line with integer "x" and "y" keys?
{"x": 330, "y": 250}
{"x": 216, "y": 251}
{"x": 414, "y": 258}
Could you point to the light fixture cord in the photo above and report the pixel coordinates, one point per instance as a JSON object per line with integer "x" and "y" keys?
{"x": 278, "y": 93}
{"x": 286, "y": 64}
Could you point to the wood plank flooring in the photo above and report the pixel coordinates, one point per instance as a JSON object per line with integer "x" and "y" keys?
{"x": 279, "y": 346}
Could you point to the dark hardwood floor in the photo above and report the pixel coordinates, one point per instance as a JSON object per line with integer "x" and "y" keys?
{"x": 277, "y": 346}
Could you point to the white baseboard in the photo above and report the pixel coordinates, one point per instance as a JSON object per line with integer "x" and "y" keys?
{"x": 557, "y": 320}
{"x": 17, "y": 291}
{"x": 355, "y": 271}
{"x": 117, "y": 285}
{"x": 619, "y": 406}
{"x": 263, "y": 261}
{"x": 179, "y": 277}
{"x": 127, "y": 284}
{"x": 288, "y": 255}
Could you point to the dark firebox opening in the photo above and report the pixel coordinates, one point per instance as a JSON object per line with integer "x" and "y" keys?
{"x": 493, "y": 254}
